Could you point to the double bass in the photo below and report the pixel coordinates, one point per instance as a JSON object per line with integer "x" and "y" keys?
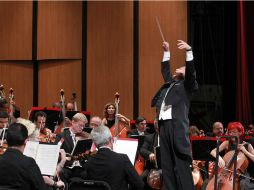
{"x": 118, "y": 130}
{"x": 62, "y": 125}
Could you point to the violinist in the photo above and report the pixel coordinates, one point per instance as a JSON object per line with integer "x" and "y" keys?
{"x": 74, "y": 133}
{"x": 71, "y": 136}
{"x": 147, "y": 151}
{"x": 234, "y": 129}
{"x": 110, "y": 115}
{"x": 45, "y": 134}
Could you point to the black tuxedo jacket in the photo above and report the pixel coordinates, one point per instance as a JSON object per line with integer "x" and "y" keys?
{"x": 180, "y": 92}
{"x": 68, "y": 142}
{"x": 114, "y": 168}
{"x": 20, "y": 172}
{"x": 178, "y": 96}
{"x": 147, "y": 148}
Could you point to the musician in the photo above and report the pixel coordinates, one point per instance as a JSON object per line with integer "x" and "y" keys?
{"x": 172, "y": 103}
{"x": 95, "y": 121}
{"x": 43, "y": 133}
{"x": 140, "y": 129}
{"x": 74, "y": 133}
{"x": 218, "y": 130}
{"x": 110, "y": 114}
{"x": 147, "y": 150}
{"x": 234, "y": 129}
{"x": 18, "y": 171}
{"x": 69, "y": 106}
{"x": 111, "y": 167}
{"x": 70, "y": 137}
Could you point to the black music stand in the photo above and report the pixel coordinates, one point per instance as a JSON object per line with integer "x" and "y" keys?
{"x": 201, "y": 149}
{"x": 81, "y": 146}
{"x": 140, "y": 138}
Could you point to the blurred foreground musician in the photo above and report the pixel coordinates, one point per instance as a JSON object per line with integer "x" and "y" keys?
{"x": 147, "y": 150}
{"x": 18, "y": 171}
{"x": 111, "y": 167}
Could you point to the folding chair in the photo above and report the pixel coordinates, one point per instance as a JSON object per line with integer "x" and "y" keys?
{"x": 81, "y": 184}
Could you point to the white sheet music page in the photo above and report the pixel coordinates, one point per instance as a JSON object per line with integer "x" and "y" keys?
{"x": 47, "y": 157}
{"x": 31, "y": 149}
{"x": 126, "y": 146}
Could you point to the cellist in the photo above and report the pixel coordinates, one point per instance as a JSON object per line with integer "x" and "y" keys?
{"x": 234, "y": 129}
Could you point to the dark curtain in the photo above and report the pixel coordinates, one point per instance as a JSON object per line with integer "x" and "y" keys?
{"x": 243, "y": 101}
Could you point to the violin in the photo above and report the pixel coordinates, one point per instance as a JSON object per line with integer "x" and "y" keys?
{"x": 196, "y": 175}
{"x": 47, "y": 136}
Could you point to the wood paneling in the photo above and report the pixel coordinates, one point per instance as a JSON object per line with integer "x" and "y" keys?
{"x": 59, "y": 30}
{"x": 173, "y": 20}
{"x": 109, "y": 55}
{"x": 55, "y": 75}
{"x": 19, "y": 76}
{"x": 16, "y": 30}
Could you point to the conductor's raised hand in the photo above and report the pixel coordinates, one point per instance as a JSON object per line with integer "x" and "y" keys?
{"x": 165, "y": 46}
{"x": 183, "y": 45}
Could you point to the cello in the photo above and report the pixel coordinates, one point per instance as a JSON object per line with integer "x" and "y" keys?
{"x": 225, "y": 175}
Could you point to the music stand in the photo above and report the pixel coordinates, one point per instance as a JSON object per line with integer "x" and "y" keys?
{"x": 140, "y": 138}
{"x": 157, "y": 152}
{"x": 81, "y": 146}
{"x": 201, "y": 148}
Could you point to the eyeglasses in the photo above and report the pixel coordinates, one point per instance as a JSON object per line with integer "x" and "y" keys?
{"x": 144, "y": 124}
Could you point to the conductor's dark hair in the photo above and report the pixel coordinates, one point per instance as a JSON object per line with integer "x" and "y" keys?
{"x": 16, "y": 134}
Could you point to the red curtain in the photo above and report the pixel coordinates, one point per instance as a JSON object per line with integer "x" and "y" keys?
{"x": 243, "y": 105}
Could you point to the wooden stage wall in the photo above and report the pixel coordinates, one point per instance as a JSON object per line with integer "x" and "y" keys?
{"x": 109, "y": 51}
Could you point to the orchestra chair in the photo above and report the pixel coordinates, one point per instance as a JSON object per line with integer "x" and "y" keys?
{"x": 81, "y": 184}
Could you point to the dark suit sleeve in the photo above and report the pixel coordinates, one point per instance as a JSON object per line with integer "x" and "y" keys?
{"x": 165, "y": 71}
{"x": 35, "y": 177}
{"x": 133, "y": 178}
{"x": 145, "y": 150}
{"x": 190, "y": 82}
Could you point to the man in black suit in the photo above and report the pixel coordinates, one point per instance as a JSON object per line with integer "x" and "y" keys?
{"x": 172, "y": 102}
{"x": 140, "y": 129}
{"x": 18, "y": 171}
{"x": 111, "y": 167}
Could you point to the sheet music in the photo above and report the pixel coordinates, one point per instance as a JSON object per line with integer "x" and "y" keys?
{"x": 31, "y": 149}
{"x": 47, "y": 156}
{"x": 127, "y": 146}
